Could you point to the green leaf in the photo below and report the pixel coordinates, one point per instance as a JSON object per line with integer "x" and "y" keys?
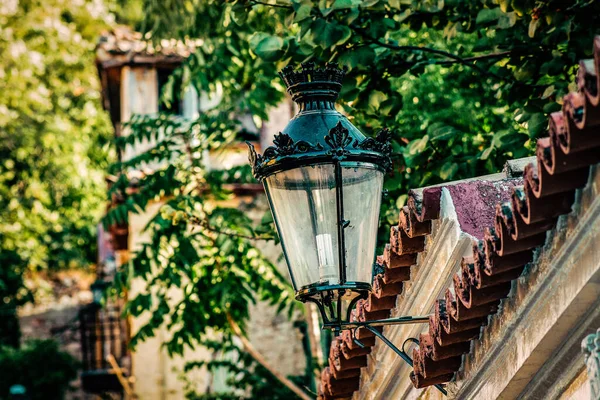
{"x": 376, "y": 98}
{"x": 361, "y": 56}
{"x": 239, "y": 14}
{"x": 327, "y": 34}
{"x": 302, "y": 12}
{"x": 341, "y": 5}
{"x": 551, "y": 107}
{"x": 486, "y": 153}
{"x": 441, "y": 131}
{"x": 418, "y": 145}
{"x": 487, "y": 15}
{"x": 537, "y": 124}
{"x": 507, "y": 20}
{"x": 550, "y": 90}
{"x": 448, "y": 170}
{"x": 267, "y": 47}
{"x": 343, "y": 34}
{"x": 533, "y": 26}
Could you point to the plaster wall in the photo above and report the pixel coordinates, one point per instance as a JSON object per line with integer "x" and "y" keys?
{"x": 157, "y": 376}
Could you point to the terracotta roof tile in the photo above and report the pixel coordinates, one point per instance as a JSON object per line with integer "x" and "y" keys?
{"x": 123, "y": 46}
{"x": 510, "y": 221}
{"x": 420, "y": 382}
{"x": 406, "y": 241}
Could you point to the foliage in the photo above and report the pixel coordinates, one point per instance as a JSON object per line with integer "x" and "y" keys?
{"x": 224, "y": 62}
{"x": 198, "y": 248}
{"x": 237, "y": 174}
{"x": 465, "y": 85}
{"x": 40, "y": 367}
{"x": 52, "y": 137}
{"x": 247, "y": 379}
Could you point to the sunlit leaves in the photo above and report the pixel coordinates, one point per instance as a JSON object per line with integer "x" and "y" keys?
{"x": 53, "y": 136}
{"x": 326, "y": 9}
{"x": 451, "y": 118}
{"x": 536, "y": 124}
{"x": 199, "y": 251}
{"x": 359, "y": 56}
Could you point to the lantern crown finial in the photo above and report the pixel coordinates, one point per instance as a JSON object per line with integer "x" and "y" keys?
{"x": 311, "y": 83}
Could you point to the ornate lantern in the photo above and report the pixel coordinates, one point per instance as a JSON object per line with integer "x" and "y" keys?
{"x": 324, "y": 180}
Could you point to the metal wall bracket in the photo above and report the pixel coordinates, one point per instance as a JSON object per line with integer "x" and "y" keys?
{"x": 370, "y": 325}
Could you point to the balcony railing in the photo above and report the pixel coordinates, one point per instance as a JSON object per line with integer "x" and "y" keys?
{"x": 103, "y": 339}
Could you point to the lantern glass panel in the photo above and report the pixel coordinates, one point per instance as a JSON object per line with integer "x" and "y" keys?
{"x": 303, "y": 201}
{"x": 304, "y": 205}
{"x": 362, "y": 200}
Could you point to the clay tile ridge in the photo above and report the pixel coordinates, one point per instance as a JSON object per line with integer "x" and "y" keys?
{"x": 561, "y": 166}
{"x": 407, "y": 239}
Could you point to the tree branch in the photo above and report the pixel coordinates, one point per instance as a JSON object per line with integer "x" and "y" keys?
{"x": 451, "y": 58}
{"x": 256, "y": 2}
{"x": 454, "y": 59}
{"x": 249, "y": 348}
{"x": 204, "y": 224}
{"x": 480, "y": 57}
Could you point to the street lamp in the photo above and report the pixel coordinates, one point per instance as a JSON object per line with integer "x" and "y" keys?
{"x": 98, "y": 289}
{"x": 324, "y": 180}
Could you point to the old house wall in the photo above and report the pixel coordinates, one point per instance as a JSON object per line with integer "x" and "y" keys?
{"x": 157, "y": 376}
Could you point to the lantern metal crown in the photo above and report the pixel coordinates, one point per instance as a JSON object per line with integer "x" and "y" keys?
{"x": 310, "y": 81}
{"x": 303, "y": 141}
{"x": 324, "y": 181}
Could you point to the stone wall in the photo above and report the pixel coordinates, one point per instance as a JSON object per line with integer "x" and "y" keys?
{"x": 53, "y": 315}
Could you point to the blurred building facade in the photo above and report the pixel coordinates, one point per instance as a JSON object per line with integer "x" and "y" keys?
{"x": 132, "y": 76}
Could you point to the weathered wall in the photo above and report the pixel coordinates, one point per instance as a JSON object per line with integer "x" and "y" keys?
{"x": 156, "y": 374}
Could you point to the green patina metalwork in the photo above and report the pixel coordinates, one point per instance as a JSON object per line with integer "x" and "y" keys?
{"x": 318, "y": 133}
{"x": 591, "y": 350}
